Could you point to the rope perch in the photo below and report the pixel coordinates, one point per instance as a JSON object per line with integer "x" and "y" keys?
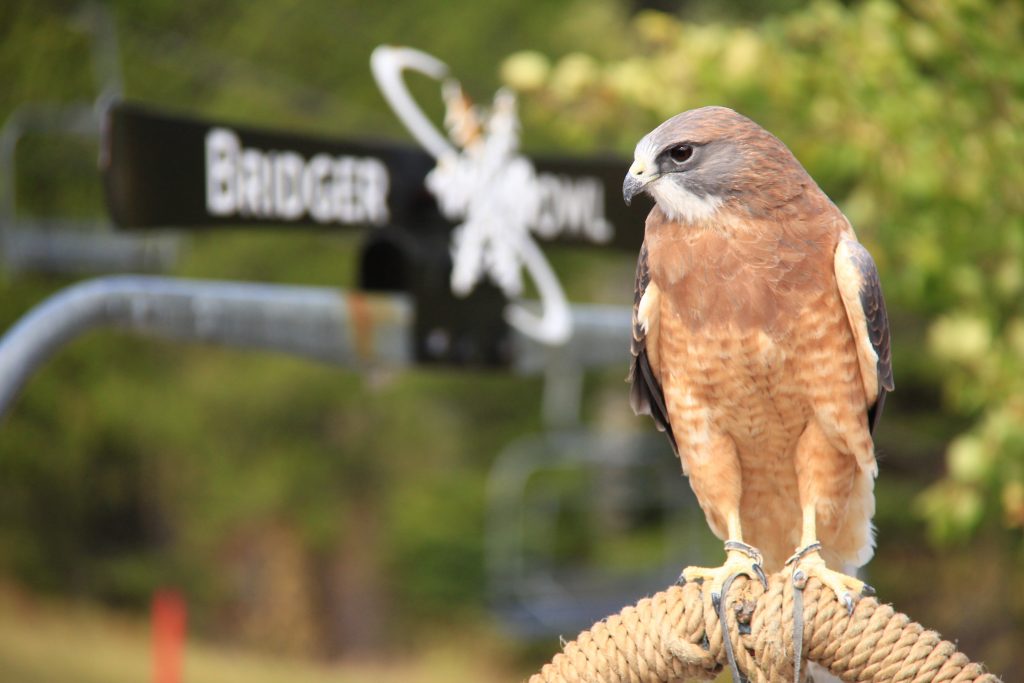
{"x": 675, "y": 635}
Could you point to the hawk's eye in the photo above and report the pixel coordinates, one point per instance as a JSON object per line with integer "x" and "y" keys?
{"x": 681, "y": 153}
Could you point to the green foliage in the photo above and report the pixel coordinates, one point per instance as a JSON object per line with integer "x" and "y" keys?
{"x": 911, "y": 117}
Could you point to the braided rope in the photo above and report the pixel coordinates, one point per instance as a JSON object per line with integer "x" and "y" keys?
{"x": 675, "y": 635}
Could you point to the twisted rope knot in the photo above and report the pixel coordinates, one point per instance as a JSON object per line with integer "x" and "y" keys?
{"x": 676, "y": 635}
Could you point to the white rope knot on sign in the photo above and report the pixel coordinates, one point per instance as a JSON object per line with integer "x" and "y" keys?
{"x": 487, "y": 186}
{"x": 491, "y": 188}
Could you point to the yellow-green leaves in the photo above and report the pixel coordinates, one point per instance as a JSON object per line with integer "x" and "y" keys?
{"x": 525, "y": 71}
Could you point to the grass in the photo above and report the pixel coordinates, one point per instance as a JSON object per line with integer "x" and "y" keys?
{"x": 44, "y": 641}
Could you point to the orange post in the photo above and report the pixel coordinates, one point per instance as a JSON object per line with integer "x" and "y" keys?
{"x": 169, "y": 616}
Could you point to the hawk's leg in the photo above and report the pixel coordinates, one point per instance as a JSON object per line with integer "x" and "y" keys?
{"x": 740, "y": 558}
{"x": 807, "y": 559}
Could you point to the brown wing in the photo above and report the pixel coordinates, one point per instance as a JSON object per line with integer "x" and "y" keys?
{"x": 645, "y": 395}
{"x": 861, "y": 290}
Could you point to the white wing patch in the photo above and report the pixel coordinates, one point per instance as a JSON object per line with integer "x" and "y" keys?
{"x": 648, "y": 314}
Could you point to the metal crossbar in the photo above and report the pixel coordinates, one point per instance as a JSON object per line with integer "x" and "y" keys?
{"x": 336, "y": 326}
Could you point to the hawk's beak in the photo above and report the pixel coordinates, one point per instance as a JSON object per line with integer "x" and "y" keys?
{"x": 636, "y": 179}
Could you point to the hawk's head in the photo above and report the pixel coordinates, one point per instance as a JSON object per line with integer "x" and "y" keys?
{"x": 703, "y": 159}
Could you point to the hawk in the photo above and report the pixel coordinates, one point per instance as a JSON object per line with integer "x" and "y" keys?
{"x": 760, "y": 347}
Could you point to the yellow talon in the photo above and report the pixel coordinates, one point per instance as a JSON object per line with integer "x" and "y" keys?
{"x": 740, "y": 558}
{"x": 809, "y": 564}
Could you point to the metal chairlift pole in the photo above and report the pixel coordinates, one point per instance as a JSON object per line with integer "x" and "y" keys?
{"x": 341, "y": 327}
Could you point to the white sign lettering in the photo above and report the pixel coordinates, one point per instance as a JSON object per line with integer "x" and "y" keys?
{"x": 248, "y": 182}
{"x": 571, "y": 206}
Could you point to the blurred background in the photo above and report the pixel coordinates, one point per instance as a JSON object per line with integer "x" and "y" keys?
{"x": 324, "y": 524}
